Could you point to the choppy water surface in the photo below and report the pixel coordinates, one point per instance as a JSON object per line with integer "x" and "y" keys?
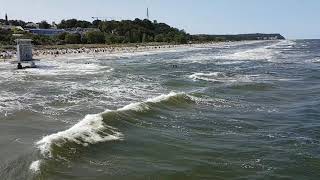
{"x": 246, "y": 110}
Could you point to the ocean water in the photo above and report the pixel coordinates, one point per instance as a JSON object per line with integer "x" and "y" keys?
{"x": 245, "y": 110}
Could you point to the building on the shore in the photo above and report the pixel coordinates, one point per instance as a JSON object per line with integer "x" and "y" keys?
{"x": 82, "y": 31}
{"x": 6, "y": 27}
{"x": 18, "y": 31}
{"x": 54, "y": 32}
{"x": 47, "y": 32}
{"x": 32, "y": 25}
{"x": 10, "y": 27}
{"x": 19, "y": 28}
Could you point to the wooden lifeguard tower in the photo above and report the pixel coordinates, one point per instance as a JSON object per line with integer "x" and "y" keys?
{"x": 24, "y": 53}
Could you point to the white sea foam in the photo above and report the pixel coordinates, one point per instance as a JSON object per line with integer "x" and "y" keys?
{"x": 212, "y": 76}
{"x": 267, "y": 52}
{"x": 35, "y": 166}
{"x": 53, "y": 67}
{"x": 222, "y": 77}
{"x": 316, "y": 60}
{"x": 238, "y": 78}
{"x": 261, "y": 53}
{"x": 284, "y": 43}
{"x": 10, "y": 101}
{"x": 229, "y": 62}
{"x": 87, "y": 131}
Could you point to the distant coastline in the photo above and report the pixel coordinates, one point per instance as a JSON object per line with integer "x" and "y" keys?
{"x": 73, "y": 31}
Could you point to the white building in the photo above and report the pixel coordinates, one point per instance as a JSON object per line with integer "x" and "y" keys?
{"x": 32, "y": 25}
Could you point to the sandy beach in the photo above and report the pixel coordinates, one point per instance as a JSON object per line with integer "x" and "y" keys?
{"x": 50, "y": 52}
{"x": 47, "y": 52}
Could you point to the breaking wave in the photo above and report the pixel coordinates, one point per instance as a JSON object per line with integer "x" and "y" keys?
{"x": 262, "y": 53}
{"x": 90, "y": 130}
{"x": 93, "y": 129}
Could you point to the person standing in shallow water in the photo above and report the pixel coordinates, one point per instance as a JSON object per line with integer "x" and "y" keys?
{"x": 19, "y": 66}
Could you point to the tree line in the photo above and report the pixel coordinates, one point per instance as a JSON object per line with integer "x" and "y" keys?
{"x": 116, "y": 32}
{"x": 110, "y": 32}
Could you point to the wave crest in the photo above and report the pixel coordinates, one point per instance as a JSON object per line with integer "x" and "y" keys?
{"x": 92, "y": 129}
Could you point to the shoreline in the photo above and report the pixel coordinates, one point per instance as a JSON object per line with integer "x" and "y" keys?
{"x": 58, "y": 50}
{"x": 96, "y": 50}
{"x": 42, "y": 52}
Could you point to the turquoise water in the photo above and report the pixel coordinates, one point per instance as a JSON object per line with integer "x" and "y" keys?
{"x": 246, "y": 110}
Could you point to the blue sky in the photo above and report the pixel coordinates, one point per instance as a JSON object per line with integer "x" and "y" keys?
{"x": 296, "y": 19}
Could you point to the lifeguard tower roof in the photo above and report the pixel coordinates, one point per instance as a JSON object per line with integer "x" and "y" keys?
{"x": 23, "y": 40}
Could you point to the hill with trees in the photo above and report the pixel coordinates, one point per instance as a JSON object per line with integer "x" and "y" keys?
{"x": 114, "y": 32}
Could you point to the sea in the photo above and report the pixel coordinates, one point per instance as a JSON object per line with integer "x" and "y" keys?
{"x": 234, "y": 110}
